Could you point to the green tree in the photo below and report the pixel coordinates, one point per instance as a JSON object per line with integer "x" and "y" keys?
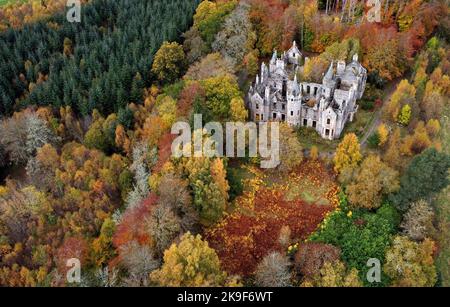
{"x": 125, "y": 117}
{"x": 207, "y": 178}
{"x": 210, "y": 16}
{"x": 427, "y": 174}
{"x": 360, "y": 235}
{"x": 137, "y": 88}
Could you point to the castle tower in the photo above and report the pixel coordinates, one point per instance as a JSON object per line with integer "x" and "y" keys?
{"x": 328, "y": 81}
{"x": 340, "y": 68}
{"x": 263, "y": 72}
{"x": 267, "y": 94}
{"x": 294, "y": 104}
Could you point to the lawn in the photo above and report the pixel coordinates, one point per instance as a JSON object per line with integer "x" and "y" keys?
{"x": 299, "y": 200}
{"x": 4, "y": 2}
{"x": 309, "y": 137}
{"x": 361, "y": 123}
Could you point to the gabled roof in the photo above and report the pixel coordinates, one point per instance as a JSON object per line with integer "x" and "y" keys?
{"x": 295, "y": 48}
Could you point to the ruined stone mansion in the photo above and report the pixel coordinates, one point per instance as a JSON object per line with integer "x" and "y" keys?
{"x": 326, "y": 107}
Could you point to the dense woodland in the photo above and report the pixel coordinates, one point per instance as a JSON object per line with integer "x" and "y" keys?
{"x": 89, "y": 65}
{"x": 86, "y": 111}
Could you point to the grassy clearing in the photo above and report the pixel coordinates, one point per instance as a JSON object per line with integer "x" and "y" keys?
{"x": 270, "y": 201}
{"x": 5, "y": 2}
{"x": 309, "y": 137}
{"x": 360, "y": 124}
{"x": 312, "y": 184}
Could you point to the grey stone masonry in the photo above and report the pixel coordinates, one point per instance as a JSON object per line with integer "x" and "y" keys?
{"x": 277, "y": 95}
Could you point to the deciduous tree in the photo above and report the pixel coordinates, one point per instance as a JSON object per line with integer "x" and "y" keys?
{"x": 169, "y": 62}
{"x": 426, "y": 175}
{"x": 348, "y": 153}
{"x": 238, "y": 112}
{"x": 334, "y": 274}
{"x": 189, "y": 263}
{"x": 373, "y": 180}
{"x": 410, "y": 264}
{"x": 273, "y": 271}
{"x": 418, "y": 221}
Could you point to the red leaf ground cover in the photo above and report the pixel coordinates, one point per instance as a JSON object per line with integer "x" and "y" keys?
{"x": 244, "y": 237}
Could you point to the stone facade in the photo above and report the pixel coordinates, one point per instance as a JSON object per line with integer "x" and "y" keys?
{"x": 327, "y": 107}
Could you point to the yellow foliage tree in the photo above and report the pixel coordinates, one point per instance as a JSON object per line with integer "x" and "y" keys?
{"x": 334, "y": 275}
{"x": 373, "y": 179}
{"x": 383, "y": 134}
{"x": 291, "y": 151}
{"x": 405, "y": 93}
{"x": 314, "y": 153}
{"x": 433, "y": 127}
{"x": 191, "y": 263}
{"x": 122, "y": 140}
{"x": 411, "y": 264}
{"x": 167, "y": 110}
{"x": 348, "y": 153}
{"x": 169, "y": 62}
{"x": 392, "y": 155}
{"x": 314, "y": 69}
{"x": 238, "y": 112}
{"x": 219, "y": 175}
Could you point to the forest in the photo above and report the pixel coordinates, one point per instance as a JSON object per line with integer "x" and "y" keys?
{"x": 91, "y": 65}
{"x": 87, "y": 172}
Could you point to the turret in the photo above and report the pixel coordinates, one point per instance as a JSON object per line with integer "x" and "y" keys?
{"x": 263, "y": 66}
{"x": 274, "y": 57}
{"x": 295, "y": 87}
{"x": 267, "y": 93}
{"x": 328, "y": 81}
{"x": 340, "y": 67}
{"x": 329, "y": 74}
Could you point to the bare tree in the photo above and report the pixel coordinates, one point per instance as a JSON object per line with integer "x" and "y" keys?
{"x": 418, "y": 221}
{"x": 174, "y": 194}
{"x": 163, "y": 227}
{"x": 139, "y": 261}
{"x": 273, "y": 271}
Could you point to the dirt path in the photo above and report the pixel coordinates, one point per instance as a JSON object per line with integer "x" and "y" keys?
{"x": 376, "y": 121}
